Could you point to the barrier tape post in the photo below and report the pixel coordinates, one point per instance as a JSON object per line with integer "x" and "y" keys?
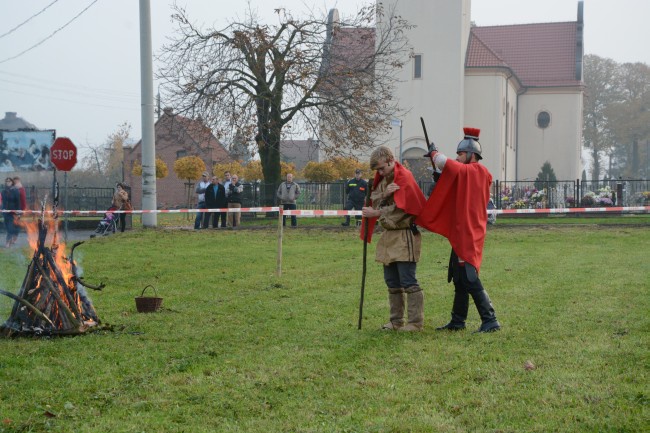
{"x": 278, "y": 266}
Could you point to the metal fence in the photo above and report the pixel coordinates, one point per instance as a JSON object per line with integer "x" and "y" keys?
{"x": 77, "y": 198}
{"x": 561, "y": 194}
{"x": 331, "y": 195}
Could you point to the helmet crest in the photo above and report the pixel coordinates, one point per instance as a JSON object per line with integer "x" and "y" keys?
{"x": 470, "y": 142}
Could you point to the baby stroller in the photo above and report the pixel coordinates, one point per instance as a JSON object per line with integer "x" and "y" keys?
{"x": 108, "y": 224}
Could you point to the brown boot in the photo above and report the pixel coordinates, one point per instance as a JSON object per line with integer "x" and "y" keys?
{"x": 415, "y": 298}
{"x": 396, "y": 302}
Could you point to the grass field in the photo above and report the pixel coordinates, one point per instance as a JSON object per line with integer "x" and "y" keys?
{"x": 237, "y": 349}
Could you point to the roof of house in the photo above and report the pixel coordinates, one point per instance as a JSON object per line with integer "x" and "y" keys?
{"x": 540, "y": 55}
{"x": 191, "y": 132}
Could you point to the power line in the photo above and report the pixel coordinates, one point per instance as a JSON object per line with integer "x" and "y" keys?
{"x": 55, "y": 32}
{"x": 76, "y": 86}
{"x": 133, "y": 106}
{"x": 28, "y": 19}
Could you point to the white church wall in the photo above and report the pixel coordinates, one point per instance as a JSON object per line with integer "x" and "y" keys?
{"x": 441, "y": 39}
{"x": 559, "y": 143}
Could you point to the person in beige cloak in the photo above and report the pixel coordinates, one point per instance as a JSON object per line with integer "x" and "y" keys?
{"x": 396, "y": 201}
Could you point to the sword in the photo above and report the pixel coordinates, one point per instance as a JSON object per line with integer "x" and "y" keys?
{"x": 431, "y": 147}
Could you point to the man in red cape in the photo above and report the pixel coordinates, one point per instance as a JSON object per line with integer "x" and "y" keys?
{"x": 457, "y": 210}
{"x": 396, "y": 200}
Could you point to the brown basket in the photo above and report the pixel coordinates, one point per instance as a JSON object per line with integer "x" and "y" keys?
{"x": 146, "y": 304}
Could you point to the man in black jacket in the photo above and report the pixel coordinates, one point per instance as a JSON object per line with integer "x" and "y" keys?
{"x": 215, "y": 198}
{"x": 356, "y": 192}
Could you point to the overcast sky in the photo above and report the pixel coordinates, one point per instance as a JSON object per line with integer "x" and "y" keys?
{"x": 84, "y": 81}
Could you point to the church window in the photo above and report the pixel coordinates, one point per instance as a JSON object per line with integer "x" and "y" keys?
{"x": 417, "y": 66}
{"x": 543, "y": 119}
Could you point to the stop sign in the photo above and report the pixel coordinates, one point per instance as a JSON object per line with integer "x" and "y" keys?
{"x": 63, "y": 154}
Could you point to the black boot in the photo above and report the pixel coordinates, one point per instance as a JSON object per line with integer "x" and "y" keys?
{"x": 489, "y": 321}
{"x": 458, "y": 312}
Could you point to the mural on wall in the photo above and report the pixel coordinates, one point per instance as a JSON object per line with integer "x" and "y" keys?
{"x": 25, "y": 150}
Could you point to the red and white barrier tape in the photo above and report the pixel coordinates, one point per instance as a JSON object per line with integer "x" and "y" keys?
{"x": 333, "y": 212}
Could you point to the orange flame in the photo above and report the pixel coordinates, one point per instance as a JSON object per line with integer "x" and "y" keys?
{"x": 63, "y": 265}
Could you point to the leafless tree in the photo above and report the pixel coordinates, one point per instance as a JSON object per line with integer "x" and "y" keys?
{"x": 317, "y": 77}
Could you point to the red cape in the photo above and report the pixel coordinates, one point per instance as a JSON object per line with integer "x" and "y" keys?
{"x": 457, "y": 209}
{"x": 408, "y": 197}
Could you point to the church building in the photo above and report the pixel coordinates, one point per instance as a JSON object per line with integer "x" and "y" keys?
{"x": 521, "y": 85}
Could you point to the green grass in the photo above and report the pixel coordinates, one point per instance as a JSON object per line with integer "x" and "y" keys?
{"x": 238, "y": 349}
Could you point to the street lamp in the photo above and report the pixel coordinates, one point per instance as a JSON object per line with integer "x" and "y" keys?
{"x": 398, "y": 122}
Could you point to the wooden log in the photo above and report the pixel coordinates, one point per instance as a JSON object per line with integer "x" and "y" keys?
{"x": 28, "y": 305}
{"x": 63, "y": 283}
{"x": 60, "y": 302}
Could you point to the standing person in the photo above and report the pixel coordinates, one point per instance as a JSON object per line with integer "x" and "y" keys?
{"x": 10, "y": 201}
{"x": 215, "y": 198}
{"x": 21, "y": 192}
{"x": 235, "y": 190}
{"x": 121, "y": 201}
{"x": 355, "y": 189}
{"x": 457, "y": 211}
{"x": 288, "y": 192}
{"x": 396, "y": 200}
{"x": 227, "y": 180}
{"x": 200, "y": 193}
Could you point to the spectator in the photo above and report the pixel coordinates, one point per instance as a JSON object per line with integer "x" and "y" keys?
{"x": 226, "y": 185}
{"x": 355, "y": 189}
{"x": 288, "y": 192}
{"x": 21, "y": 192}
{"x": 215, "y": 198}
{"x": 121, "y": 201}
{"x": 200, "y": 192}
{"x": 235, "y": 190}
{"x": 10, "y": 201}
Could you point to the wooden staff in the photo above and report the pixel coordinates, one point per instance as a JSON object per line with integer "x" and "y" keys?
{"x": 365, "y": 256}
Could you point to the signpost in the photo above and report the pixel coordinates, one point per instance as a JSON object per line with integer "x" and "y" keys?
{"x": 398, "y": 122}
{"x": 63, "y": 155}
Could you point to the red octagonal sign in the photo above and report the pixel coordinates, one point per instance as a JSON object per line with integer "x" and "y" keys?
{"x": 63, "y": 154}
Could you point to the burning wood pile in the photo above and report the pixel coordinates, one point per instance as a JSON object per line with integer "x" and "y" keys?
{"x": 52, "y": 299}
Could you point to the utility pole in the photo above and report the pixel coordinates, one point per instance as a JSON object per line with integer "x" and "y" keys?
{"x": 147, "y": 109}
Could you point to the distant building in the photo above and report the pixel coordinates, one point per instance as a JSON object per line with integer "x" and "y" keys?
{"x": 176, "y": 137}
{"x": 299, "y": 152}
{"x": 12, "y": 122}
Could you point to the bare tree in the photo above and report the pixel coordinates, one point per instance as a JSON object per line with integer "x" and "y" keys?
{"x": 600, "y": 79}
{"x": 314, "y": 77}
{"x": 106, "y": 160}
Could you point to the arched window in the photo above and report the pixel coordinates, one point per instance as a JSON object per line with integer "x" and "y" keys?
{"x": 543, "y": 119}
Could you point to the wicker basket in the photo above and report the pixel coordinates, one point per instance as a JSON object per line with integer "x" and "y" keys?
{"x": 146, "y": 304}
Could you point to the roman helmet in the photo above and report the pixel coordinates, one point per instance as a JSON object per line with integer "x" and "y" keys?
{"x": 470, "y": 142}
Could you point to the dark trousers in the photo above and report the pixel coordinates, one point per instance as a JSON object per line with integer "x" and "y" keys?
{"x": 400, "y": 274}
{"x": 122, "y": 221}
{"x": 215, "y": 217}
{"x": 294, "y": 220}
{"x": 10, "y": 226}
{"x": 350, "y": 205}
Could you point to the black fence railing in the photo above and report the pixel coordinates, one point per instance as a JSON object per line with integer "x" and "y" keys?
{"x": 561, "y": 194}
{"x": 77, "y": 198}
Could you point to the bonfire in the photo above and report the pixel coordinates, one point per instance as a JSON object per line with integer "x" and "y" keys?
{"x": 52, "y": 299}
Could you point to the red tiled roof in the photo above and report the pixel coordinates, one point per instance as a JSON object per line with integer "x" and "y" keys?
{"x": 540, "y": 55}
{"x": 191, "y": 132}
